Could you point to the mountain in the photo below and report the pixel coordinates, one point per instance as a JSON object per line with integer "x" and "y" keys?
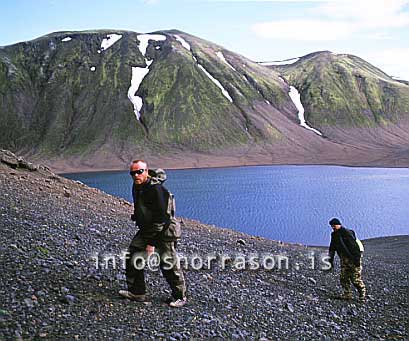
{"x": 345, "y": 90}
{"x": 96, "y": 99}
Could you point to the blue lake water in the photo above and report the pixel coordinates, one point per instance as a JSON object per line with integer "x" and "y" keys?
{"x": 288, "y": 203}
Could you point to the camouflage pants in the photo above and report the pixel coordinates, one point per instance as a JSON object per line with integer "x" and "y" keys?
{"x": 351, "y": 273}
{"x": 170, "y": 268}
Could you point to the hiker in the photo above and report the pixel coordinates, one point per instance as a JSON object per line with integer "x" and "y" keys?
{"x": 343, "y": 241}
{"x": 158, "y": 230}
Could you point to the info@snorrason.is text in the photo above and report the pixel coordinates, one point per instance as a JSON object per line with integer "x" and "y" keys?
{"x": 253, "y": 261}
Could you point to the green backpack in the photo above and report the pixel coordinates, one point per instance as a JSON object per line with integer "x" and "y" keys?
{"x": 172, "y": 230}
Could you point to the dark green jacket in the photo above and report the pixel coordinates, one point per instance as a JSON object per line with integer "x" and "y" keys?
{"x": 344, "y": 244}
{"x": 150, "y": 205}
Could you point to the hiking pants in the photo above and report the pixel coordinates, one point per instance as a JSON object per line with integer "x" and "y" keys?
{"x": 351, "y": 273}
{"x": 169, "y": 266}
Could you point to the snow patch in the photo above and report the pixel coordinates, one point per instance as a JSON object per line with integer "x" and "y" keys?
{"x": 144, "y": 41}
{"x": 66, "y": 39}
{"x": 215, "y": 81}
{"x": 221, "y": 56}
{"x": 92, "y": 68}
{"x": 281, "y": 79}
{"x": 296, "y": 98}
{"x": 138, "y": 74}
{"x": 184, "y": 43}
{"x": 280, "y": 62}
{"x": 110, "y": 40}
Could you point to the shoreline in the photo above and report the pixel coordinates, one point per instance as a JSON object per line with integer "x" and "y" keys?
{"x": 100, "y": 170}
{"x": 380, "y": 239}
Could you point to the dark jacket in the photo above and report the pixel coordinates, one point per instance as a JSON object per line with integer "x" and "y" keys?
{"x": 344, "y": 244}
{"x": 150, "y": 208}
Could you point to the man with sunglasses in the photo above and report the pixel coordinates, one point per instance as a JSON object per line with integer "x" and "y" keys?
{"x": 150, "y": 215}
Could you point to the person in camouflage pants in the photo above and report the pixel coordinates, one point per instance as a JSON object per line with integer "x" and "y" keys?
{"x": 343, "y": 242}
{"x": 350, "y": 273}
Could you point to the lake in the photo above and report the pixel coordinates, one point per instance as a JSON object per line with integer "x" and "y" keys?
{"x": 287, "y": 203}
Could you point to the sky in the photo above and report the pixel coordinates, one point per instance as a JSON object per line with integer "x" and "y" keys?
{"x": 262, "y": 30}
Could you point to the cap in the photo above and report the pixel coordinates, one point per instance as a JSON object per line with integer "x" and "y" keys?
{"x": 334, "y": 221}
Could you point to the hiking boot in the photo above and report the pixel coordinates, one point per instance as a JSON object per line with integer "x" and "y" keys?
{"x": 178, "y": 303}
{"x": 127, "y": 294}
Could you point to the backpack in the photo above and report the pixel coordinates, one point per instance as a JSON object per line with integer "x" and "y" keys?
{"x": 361, "y": 246}
{"x": 172, "y": 230}
{"x": 358, "y": 242}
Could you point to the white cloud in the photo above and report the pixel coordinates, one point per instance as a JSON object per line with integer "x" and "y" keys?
{"x": 305, "y": 30}
{"x": 380, "y": 36}
{"x": 340, "y": 19}
{"x": 392, "y": 61}
{"x": 368, "y": 13}
{"x": 270, "y": 0}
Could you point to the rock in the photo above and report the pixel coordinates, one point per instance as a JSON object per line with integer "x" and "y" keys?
{"x": 68, "y": 299}
{"x": 67, "y": 194}
{"x": 4, "y": 313}
{"x": 290, "y": 307}
{"x": 9, "y": 161}
{"x": 27, "y": 165}
{"x": 312, "y": 280}
{"x": 29, "y": 302}
{"x": 241, "y": 242}
{"x": 65, "y": 290}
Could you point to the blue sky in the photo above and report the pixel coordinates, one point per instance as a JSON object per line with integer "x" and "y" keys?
{"x": 262, "y": 30}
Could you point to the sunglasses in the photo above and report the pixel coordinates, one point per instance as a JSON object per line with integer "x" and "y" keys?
{"x": 138, "y": 171}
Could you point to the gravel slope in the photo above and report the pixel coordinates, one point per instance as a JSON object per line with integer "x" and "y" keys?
{"x": 50, "y": 288}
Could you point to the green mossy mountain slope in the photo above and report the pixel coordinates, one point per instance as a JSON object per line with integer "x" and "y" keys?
{"x": 346, "y": 91}
{"x": 52, "y": 102}
{"x": 62, "y": 98}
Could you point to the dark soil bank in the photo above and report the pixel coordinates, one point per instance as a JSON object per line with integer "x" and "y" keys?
{"x": 52, "y": 229}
